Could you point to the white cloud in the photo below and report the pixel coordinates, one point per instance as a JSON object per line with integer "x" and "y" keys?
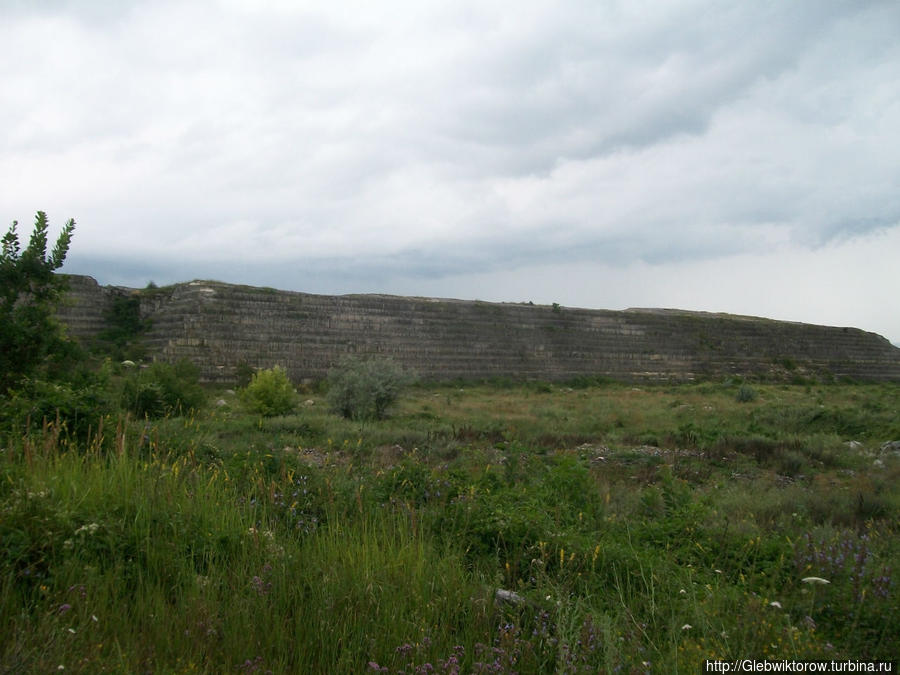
{"x": 448, "y": 140}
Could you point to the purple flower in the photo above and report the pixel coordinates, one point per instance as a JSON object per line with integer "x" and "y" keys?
{"x": 65, "y": 607}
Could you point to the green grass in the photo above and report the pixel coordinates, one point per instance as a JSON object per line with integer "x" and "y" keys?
{"x": 645, "y": 529}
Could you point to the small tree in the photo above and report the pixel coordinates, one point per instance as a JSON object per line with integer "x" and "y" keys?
{"x": 364, "y": 389}
{"x": 269, "y": 393}
{"x": 30, "y": 337}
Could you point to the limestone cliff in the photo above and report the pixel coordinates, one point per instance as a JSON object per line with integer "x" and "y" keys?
{"x": 220, "y": 326}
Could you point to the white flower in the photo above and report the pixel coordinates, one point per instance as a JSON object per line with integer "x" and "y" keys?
{"x": 686, "y": 626}
{"x": 682, "y": 591}
{"x": 814, "y": 580}
{"x": 775, "y": 604}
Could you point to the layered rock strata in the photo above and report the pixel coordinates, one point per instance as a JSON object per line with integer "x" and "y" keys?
{"x": 222, "y": 327}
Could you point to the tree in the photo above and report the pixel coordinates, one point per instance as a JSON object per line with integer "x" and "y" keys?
{"x": 30, "y": 337}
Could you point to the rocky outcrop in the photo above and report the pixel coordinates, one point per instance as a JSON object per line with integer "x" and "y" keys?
{"x": 221, "y": 327}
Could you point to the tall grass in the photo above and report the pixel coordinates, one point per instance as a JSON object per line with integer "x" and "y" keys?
{"x": 225, "y": 543}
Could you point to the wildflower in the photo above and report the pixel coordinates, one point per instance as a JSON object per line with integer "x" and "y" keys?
{"x": 65, "y": 607}
{"x": 682, "y": 591}
{"x": 775, "y": 604}
{"x": 815, "y": 580}
{"x": 261, "y": 586}
{"x": 686, "y": 626}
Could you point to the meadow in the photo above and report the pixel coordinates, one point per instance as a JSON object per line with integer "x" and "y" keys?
{"x": 480, "y": 528}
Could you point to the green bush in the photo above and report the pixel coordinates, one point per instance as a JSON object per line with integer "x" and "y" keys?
{"x": 124, "y": 327}
{"x": 163, "y": 389}
{"x": 269, "y": 393}
{"x": 76, "y": 407}
{"x": 746, "y": 394}
{"x": 364, "y": 389}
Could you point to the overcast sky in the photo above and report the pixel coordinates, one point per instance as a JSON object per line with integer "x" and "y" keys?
{"x": 740, "y": 156}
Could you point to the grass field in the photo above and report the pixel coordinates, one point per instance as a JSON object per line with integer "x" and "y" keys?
{"x": 630, "y": 529}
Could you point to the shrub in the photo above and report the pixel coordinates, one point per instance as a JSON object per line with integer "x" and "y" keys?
{"x": 269, "y": 393}
{"x": 124, "y": 327}
{"x": 163, "y": 389}
{"x": 746, "y": 394}
{"x": 77, "y": 408}
{"x": 243, "y": 374}
{"x": 364, "y": 389}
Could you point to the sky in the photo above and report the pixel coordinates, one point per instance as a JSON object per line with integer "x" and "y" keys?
{"x": 726, "y": 156}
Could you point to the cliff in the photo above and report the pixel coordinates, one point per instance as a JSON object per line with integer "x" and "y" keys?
{"x": 221, "y": 326}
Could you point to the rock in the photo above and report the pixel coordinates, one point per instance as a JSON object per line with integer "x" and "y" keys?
{"x": 854, "y": 445}
{"x": 891, "y": 446}
{"x": 221, "y": 402}
{"x": 509, "y": 597}
{"x": 309, "y": 403}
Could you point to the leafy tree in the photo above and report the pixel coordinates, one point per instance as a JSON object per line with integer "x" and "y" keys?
{"x": 30, "y": 337}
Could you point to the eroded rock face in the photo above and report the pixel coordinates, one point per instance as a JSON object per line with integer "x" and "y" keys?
{"x": 222, "y": 326}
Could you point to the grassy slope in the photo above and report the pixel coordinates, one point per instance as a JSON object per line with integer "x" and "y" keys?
{"x": 646, "y": 529}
